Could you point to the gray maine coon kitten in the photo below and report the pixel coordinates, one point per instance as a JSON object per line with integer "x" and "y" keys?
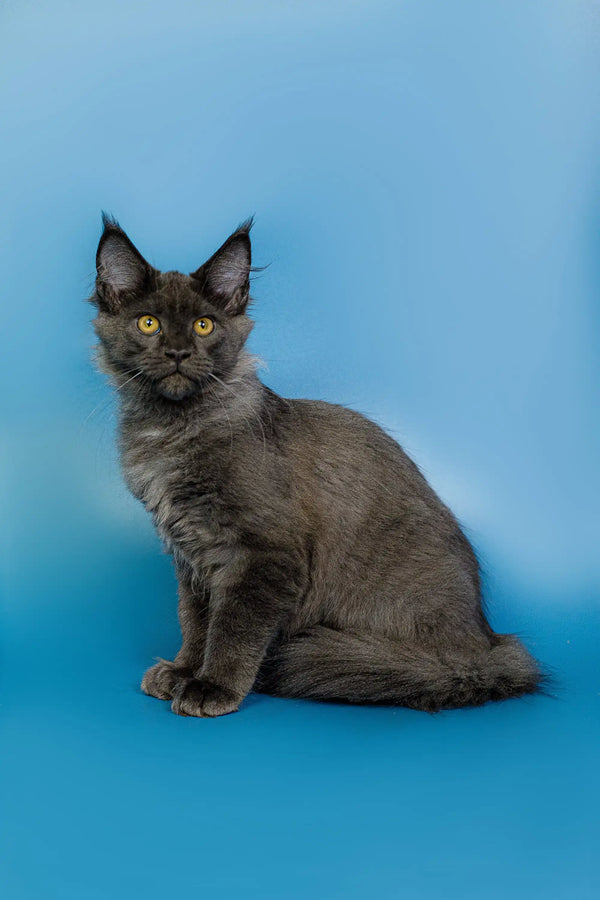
{"x": 313, "y": 558}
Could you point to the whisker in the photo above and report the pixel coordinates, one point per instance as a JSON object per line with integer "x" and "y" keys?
{"x": 214, "y": 393}
{"x": 223, "y": 407}
{"x": 121, "y": 386}
{"x": 252, "y": 410}
{"x": 105, "y": 403}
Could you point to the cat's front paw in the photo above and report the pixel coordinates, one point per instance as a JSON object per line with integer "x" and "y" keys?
{"x": 163, "y": 679}
{"x": 199, "y": 697}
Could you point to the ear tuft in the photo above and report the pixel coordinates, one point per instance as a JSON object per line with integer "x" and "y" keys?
{"x": 246, "y": 225}
{"x": 121, "y": 269}
{"x": 109, "y": 221}
{"x": 226, "y": 275}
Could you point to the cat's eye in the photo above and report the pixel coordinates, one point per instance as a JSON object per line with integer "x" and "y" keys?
{"x": 148, "y": 324}
{"x": 204, "y": 326}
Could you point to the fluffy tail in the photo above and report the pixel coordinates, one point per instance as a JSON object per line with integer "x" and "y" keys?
{"x": 323, "y": 664}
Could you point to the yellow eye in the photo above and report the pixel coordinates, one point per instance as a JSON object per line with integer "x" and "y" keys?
{"x": 148, "y": 324}
{"x": 204, "y": 326}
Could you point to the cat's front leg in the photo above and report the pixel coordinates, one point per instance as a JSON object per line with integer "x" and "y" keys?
{"x": 165, "y": 679}
{"x": 247, "y": 610}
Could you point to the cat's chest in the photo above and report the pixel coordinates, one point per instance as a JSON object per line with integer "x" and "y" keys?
{"x": 150, "y": 465}
{"x": 164, "y": 474}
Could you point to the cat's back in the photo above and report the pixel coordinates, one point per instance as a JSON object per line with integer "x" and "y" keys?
{"x": 334, "y": 434}
{"x": 347, "y": 468}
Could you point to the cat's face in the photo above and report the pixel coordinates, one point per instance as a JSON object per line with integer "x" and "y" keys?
{"x": 171, "y": 333}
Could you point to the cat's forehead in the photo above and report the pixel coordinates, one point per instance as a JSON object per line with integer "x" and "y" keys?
{"x": 174, "y": 292}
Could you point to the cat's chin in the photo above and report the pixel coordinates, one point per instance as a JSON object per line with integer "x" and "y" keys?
{"x": 176, "y": 386}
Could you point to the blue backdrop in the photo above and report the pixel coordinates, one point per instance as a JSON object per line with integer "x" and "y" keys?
{"x": 425, "y": 183}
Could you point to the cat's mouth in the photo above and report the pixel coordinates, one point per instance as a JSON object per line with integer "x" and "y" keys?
{"x": 176, "y": 385}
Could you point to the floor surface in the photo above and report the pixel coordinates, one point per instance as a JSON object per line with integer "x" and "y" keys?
{"x": 107, "y": 794}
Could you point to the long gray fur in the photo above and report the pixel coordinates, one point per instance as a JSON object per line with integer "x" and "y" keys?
{"x": 313, "y": 558}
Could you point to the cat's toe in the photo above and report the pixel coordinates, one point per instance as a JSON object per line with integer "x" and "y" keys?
{"x": 163, "y": 679}
{"x": 198, "y": 697}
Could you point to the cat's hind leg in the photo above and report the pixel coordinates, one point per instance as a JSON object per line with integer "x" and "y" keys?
{"x": 321, "y": 663}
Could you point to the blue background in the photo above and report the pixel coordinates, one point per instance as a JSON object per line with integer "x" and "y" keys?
{"x": 425, "y": 182}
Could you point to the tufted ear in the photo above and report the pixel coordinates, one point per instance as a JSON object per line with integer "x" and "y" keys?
{"x": 225, "y": 277}
{"x": 121, "y": 269}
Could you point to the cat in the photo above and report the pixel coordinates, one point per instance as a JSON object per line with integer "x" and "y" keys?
{"x": 313, "y": 558}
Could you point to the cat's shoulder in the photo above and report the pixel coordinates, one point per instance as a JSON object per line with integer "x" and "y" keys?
{"x": 342, "y": 420}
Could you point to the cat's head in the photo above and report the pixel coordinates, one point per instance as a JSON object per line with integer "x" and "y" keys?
{"x": 168, "y": 332}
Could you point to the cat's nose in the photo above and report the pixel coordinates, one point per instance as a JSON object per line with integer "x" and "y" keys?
{"x": 178, "y": 355}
